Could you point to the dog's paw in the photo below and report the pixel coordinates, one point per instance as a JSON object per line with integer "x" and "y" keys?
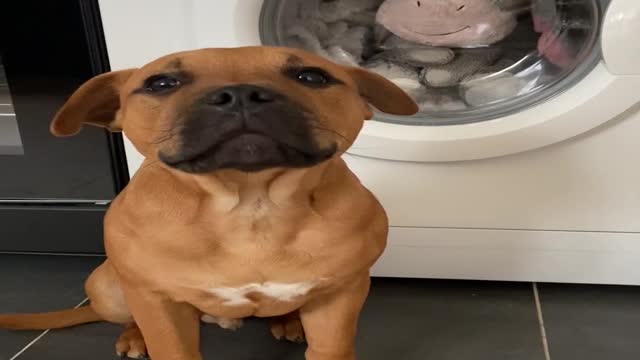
{"x": 288, "y": 327}
{"x": 229, "y": 324}
{"x": 131, "y": 344}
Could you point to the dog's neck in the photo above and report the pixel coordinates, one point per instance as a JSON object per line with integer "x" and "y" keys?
{"x": 279, "y": 186}
{"x": 232, "y": 189}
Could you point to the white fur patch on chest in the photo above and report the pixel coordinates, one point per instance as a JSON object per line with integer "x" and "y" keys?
{"x": 279, "y": 291}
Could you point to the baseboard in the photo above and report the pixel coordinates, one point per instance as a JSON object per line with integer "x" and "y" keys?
{"x": 512, "y": 255}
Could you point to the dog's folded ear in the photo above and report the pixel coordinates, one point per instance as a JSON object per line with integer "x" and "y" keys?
{"x": 96, "y": 102}
{"x": 382, "y": 93}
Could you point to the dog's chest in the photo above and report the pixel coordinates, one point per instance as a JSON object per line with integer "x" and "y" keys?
{"x": 281, "y": 292}
{"x": 259, "y": 260}
{"x": 244, "y": 299}
{"x": 270, "y": 283}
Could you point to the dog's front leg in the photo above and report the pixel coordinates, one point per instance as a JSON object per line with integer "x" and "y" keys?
{"x": 330, "y": 322}
{"x": 171, "y": 330}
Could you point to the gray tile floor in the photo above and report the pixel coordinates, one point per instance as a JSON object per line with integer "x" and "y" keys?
{"x": 403, "y": 320}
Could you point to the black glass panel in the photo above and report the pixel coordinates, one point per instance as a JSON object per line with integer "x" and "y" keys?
{"x": 46, "y": 54}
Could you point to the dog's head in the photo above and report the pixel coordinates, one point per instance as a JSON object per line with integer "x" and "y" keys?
{"x": 246, "y": 108}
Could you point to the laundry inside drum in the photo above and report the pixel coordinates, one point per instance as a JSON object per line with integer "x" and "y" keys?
{"x": 463, "y": 61}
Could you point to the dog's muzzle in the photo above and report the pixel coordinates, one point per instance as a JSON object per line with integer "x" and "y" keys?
{"x": 247, "y": 128}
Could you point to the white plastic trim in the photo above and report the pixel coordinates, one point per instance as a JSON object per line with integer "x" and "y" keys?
{"x": 620, "y": 32}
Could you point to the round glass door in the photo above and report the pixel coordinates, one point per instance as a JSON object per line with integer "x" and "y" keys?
{"x": 463, "y": 61}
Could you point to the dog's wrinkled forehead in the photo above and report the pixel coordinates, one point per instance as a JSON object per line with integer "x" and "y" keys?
{"x": 236, "y": 66}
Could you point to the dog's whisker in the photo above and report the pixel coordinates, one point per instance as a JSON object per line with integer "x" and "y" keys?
{"x": 331, "y": 131}
{"x": 161, "y": 140}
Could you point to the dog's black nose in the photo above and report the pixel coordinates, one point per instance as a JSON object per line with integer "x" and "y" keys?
{"x": 237, "y": 97}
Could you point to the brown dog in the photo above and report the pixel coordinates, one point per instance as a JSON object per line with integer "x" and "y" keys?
{"x": 243, "y": 206}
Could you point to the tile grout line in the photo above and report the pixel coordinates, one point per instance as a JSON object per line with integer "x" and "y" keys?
{"x": 543, "y": 330}
{"x": 14, "y": 357}
{"x": 30, "y": 344}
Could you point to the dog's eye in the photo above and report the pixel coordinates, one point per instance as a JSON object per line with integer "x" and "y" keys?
{"x": 313, "y": 77}
{"x": 161, "y": 83}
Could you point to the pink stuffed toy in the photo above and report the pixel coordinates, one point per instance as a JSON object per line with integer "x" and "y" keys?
{"x": 475, "y": 28}
{"x": 470, "y": 27}
{"x": 452, "y": 23}
{"x": 474, "y": 23}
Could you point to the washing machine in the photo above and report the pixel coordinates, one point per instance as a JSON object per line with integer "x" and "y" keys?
{"x": 536, "y": 180}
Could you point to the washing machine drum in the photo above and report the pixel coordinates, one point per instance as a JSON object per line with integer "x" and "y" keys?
{"x": 462, "y": 61}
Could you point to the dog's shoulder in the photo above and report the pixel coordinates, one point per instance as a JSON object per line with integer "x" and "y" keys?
{"x": 153, "y": 194}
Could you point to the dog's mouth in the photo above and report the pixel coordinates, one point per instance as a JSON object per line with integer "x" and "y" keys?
{"x": 248, "y": 151}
